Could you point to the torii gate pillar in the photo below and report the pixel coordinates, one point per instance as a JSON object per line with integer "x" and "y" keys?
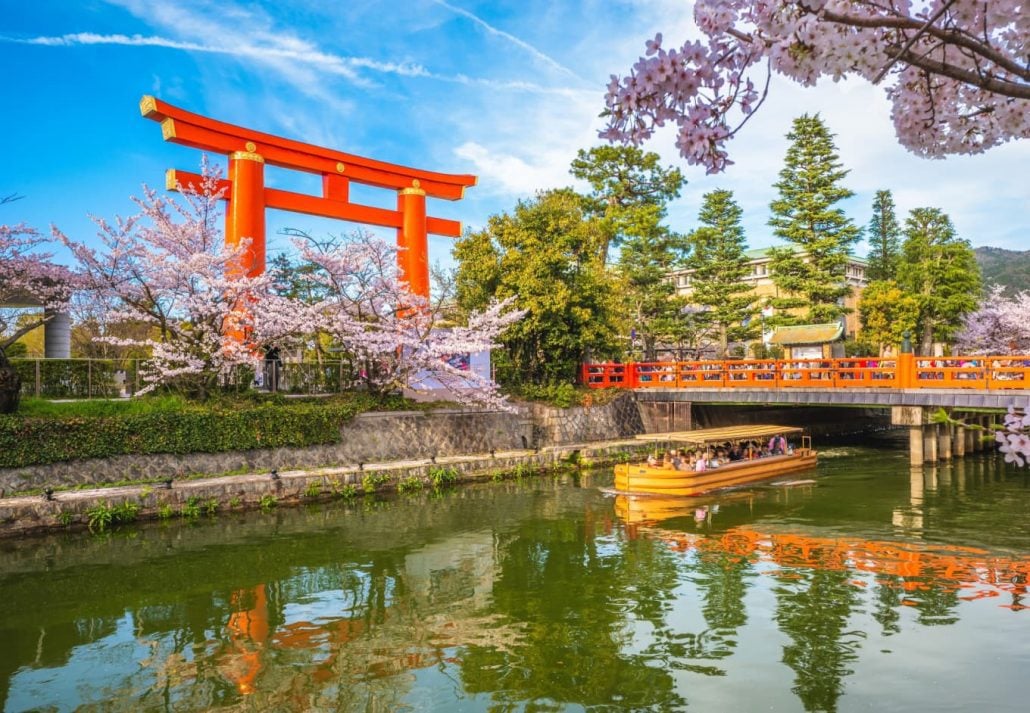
{"x": 245, "y": 214}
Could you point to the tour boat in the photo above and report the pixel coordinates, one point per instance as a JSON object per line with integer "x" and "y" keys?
{"x": 661, "y": 479}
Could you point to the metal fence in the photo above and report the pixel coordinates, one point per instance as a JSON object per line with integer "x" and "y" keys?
{"x": 116, "y": 378}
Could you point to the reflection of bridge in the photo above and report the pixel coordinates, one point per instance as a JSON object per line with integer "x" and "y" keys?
{"x": 911, "y": 386}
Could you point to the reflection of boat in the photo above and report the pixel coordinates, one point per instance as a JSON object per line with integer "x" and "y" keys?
{"x": 664, "y": 479}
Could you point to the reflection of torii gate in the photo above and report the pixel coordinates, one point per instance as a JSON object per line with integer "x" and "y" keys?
{"x": 247, "y": 196}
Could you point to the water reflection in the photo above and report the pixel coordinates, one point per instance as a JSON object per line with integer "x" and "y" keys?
{"x": 539, "y": 595}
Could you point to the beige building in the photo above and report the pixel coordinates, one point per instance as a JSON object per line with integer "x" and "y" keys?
{"x": 763, "y": 288}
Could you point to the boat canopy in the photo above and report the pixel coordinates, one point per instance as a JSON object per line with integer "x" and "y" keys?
{"x": 720, "y": 435}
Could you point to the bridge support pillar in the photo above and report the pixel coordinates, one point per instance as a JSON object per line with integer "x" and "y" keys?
{"x": 944, "y": 441}
{"x": 915, "y": 445}
{"x": 978, "y": 442}
{"x": 960, "y": 441}
{"x": 930, "y": 443}
{"x": 972, "y": 435}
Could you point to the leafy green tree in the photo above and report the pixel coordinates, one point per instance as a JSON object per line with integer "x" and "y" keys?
{"x": 630, "y": 190}
{"x": 810, "y": 272}
{"x": 546, "y": 253}
{"x": 939, "y": 270}
{"x": 887, "y": 312}
{"x": 884, "y": 239}
{"x": 719, "y": 267}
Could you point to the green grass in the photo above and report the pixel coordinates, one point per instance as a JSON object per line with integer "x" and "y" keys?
{"x": 32, "y": 407}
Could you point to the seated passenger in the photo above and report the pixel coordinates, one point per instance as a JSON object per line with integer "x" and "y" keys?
{"x": 651, "y": 460}
{"x": 700, "y": 466}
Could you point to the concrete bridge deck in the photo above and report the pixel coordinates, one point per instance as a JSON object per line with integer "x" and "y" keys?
{"x": 961, "y": 399}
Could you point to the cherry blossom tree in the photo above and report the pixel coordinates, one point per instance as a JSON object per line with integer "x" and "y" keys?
{"x": 1001, "y": 325}
{"x": 400, "y": 339}
{"x": 1014, "y": 440}
{"x": 961, "y": 79}
{"x": 168, "y": 267}
{"x": 27, "y": 277}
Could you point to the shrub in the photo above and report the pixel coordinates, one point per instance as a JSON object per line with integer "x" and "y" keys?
{"x": 371, "y": 481}
{"x": 190, "y": 510}
{"x": 439, "y": 476}
{"x": 194, "y": 428}
{"x": 267, "y": 502}
{"x": 411, "y": 484}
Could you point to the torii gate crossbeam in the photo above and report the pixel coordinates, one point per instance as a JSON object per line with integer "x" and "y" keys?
{"x": 244, "y": 189}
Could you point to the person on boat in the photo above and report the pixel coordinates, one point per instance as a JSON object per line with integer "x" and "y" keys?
{"x": 651, "y": 460}
{"x": 700, "y": 465}
{"x": 777, "y": 445}
{"x": 687, "y": 463}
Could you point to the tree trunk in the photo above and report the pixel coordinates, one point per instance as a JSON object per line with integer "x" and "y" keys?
{"x": 10, "y": 386}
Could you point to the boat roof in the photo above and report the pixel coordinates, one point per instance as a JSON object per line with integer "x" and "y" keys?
{"x": 718, "y": 435}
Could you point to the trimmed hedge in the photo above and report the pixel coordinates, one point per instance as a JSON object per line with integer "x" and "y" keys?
{"x": 226, "y": 427}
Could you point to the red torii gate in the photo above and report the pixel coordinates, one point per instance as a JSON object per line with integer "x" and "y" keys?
{"x": 248, "y": 151}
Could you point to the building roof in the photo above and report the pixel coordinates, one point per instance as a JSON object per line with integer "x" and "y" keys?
{"x": 807, "y": 334}
{"x": 760, "y": 253}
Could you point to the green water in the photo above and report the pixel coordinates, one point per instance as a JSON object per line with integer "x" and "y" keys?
{"x": 872, "y": 588}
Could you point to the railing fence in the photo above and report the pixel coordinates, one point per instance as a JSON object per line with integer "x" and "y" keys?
{"x": 905, "y": 371}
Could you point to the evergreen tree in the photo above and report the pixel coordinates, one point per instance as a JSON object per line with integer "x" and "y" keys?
{"x": 811, "y": 271}
{"x": 630, "y": 190}
{"x": 884, "y": 239}
{"x": 719, "y": 268}
{"x": 545, "y": 253}
{"x": 939, "y": 269}
{"x": 628, "y": 202}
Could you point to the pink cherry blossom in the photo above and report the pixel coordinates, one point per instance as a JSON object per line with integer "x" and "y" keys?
{"x": 958, "y": 80}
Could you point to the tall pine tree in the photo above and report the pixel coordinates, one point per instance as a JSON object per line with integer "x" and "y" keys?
{"x": 811, "y": 272}
{"x": 884, "y": 239}
{"x": 719, "y": 267}
{"x": 630, "y": 193}
{"x": 939, "y": 269}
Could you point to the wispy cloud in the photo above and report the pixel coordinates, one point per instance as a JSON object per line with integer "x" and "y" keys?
{"x": 346, "y": 67}
{"x": 533, "y": 51}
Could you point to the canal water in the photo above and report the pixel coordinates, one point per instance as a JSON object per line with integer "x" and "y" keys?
{"x": 871, "y": 587}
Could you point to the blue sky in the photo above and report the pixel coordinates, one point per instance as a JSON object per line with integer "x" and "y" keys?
{"x": 505, "y": 90}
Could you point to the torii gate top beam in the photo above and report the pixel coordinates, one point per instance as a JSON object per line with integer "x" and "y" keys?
{"x": 200, "y": 132}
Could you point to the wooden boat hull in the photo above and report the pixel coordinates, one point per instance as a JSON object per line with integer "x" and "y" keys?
{"x": 641, "y": 478}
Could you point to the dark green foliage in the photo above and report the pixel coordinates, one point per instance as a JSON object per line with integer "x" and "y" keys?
{"x": 811, "y": 270}
{"x": 546, "y": 254}
{"x": 1008, "y": 268}
{"x": 211, "y": 428}
{"x": 630, "y": 189}
{"x": 884, "y": 239}
{"x": 628, "y": 201}
{"x": 939, "y": 270}
{"x": 719, "y": 267}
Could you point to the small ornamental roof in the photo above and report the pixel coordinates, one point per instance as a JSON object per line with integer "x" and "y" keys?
{"x": 807, "y": 334}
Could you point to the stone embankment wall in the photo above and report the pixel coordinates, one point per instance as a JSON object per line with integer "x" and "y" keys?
{"x": 369, "y": 438}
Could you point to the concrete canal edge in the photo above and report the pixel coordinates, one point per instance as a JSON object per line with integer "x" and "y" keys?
{"x": 375, "y": 452}
{"x": 190, "y": 498}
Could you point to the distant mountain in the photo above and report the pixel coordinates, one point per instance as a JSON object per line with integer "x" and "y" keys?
{"x": 1008, "y": 268}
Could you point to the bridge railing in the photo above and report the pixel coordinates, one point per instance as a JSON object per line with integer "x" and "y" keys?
{"x": 903, "y": 372}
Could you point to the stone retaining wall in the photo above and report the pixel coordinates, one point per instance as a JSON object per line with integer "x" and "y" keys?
{"x": 370, "y": 437}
